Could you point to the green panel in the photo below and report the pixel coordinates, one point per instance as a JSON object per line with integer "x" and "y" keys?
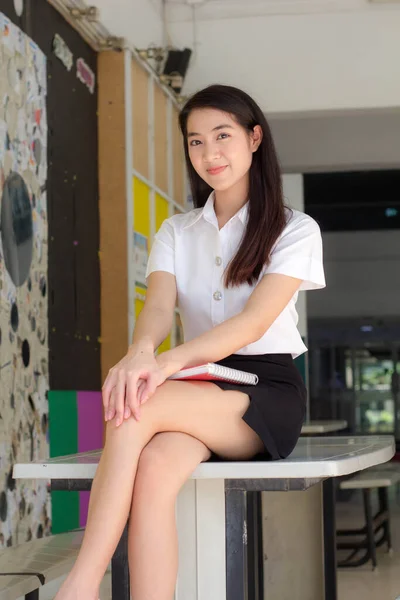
{"x": 63, "y": 423}
{"x": 65, "y": 511}
{"x": 63, "y": 434}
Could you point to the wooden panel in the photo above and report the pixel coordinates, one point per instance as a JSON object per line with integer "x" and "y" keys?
{"x": 113, "y": 226}
{"x": 160, "y": 139}
{"x": 179, "y": 158}
{"x": 140, "y": 120}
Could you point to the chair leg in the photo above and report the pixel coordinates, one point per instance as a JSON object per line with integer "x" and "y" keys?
{"x": 370, "y": 526}
{"x": 384, "y": 506}
{"x": 255, "y": 546}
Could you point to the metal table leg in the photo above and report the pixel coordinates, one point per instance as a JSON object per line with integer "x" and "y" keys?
{"x": 120, "y": 569}
{"x": 236, "y": 544}
{"x": 370, "y": 527}
{"x": 329, "y": 501}
{"x": 255, "y": 546}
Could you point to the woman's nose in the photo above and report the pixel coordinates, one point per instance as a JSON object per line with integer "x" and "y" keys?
{"x": 210, "y": 152}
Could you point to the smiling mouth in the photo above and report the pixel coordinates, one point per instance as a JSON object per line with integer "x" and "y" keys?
{"x": 216, "y": 170}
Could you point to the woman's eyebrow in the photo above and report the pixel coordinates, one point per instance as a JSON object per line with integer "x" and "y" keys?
{"x": 226, "y": 126}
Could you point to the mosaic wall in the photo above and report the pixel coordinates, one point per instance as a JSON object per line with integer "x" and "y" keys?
{"x": 24, "y": 506}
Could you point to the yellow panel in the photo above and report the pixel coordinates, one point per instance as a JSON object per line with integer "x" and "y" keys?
{"x": 138, "y": 307}
{"x": 141, "y": 202}
{"x": 139, "y": 290}
{"x": 166, "y": 345}
{"x": 161, "y": 211}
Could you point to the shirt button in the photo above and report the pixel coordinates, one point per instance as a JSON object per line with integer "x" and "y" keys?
{"x": 217, "y": 296}
{"x": 218, "y": 261}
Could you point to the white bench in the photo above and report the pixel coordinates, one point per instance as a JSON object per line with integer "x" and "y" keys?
{"x": 365, "y": 538}
{"x": 27, "y": 567}
{"x": 220, "y": 526}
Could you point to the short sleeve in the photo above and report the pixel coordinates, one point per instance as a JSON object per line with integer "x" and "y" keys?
{"x": 162, "y": 254}
{"x": 298, "y": 253}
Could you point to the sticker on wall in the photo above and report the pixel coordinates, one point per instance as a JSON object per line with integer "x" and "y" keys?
{"x": 140, "y": 256}
{"x": 85, "y": 74}
{"x": 62, "y": 52}
{"x": 19, "y": 7}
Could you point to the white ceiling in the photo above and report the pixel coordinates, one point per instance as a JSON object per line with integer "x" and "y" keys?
{"x": 354, "y": 140}
{"x": 315, "y": 140}
{"x": 182, "y": 10}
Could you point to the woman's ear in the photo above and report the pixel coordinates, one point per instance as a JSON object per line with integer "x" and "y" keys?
{"x": 256, "y": 138}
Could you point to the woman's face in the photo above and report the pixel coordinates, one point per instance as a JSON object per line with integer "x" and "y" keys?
{"x": 220, "y": 150}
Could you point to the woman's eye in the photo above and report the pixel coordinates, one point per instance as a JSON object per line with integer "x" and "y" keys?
{"x": 223, "y": 136}
{"x": 194, "y": 143}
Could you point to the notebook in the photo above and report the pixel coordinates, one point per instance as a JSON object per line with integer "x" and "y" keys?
{"x": 212, "y": 371}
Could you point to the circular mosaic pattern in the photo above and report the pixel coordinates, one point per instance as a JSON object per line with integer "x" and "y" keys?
{"x": 16, "y": 228}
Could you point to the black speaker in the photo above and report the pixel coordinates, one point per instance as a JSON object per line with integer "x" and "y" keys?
{"x": 177, "y": 64}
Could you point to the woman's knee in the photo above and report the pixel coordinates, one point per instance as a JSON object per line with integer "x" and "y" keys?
{"x": 157, "y": 471}
{"x": 168, "y": 460}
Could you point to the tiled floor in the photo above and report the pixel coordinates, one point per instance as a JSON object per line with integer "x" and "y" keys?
{"x": 354, "y": 584}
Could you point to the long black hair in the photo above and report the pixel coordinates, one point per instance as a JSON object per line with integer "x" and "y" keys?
{"x": 267, "y": 217}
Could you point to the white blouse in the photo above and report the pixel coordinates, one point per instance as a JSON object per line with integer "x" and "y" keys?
{"x": 191, "y": 247}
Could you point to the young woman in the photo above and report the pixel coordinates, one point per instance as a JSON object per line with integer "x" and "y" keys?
{"x": 235, "y": 263}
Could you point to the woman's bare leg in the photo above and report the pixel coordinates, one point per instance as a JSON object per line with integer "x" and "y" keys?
{"x": 110, "y": 501}
{"x": 164, "y": 465}
{"x": 200, "y": 409}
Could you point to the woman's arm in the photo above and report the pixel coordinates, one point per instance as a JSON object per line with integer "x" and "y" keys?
{"x": 154, "y": 322}
{"x": 265, "y": 304}
{"x": 152, "y": 327}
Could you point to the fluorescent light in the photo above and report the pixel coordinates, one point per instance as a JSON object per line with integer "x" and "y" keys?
{"x": 385, "y": 1}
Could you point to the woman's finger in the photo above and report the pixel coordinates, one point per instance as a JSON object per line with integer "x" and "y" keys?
{"x": 128, "y": 412}
{"x": 111, "y": 405}
{"x": 106, "y": 392}
{"x": 150, "y": 388}
{"x": 119, "y": 392}
{"x": 141, "y": 390}
{"x": 131, "y": 395}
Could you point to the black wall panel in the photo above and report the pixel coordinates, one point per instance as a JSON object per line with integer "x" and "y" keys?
{"x": 72, "y": 201}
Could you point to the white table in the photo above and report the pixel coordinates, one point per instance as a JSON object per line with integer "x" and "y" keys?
{"x": 219, "y": 518}
{"x": 322, "y": 427}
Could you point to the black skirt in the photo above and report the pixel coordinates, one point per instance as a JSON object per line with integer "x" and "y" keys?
{"x": 277, "y": 403}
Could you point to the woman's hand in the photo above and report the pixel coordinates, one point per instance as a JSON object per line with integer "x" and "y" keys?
{"x": 129, "y": 384}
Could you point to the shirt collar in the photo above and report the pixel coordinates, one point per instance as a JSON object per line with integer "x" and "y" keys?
{"x": 208, "y": 213}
